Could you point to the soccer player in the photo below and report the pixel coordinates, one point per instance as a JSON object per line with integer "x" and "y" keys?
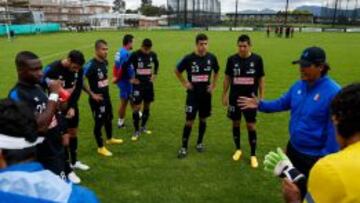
{"x": 121, "y": 76}
{"x": 333, "y": 178}
{"x": 146, "y": 65}
{"x": 312, "y": 134}
{"x": 244, "y": 75}
{"x": 22, "y": 178}
{"x": 27, "y": 90}
{"x": 96, "y": 72}
{"x": 202, "y": 74}
{"x": 69, "y": 72}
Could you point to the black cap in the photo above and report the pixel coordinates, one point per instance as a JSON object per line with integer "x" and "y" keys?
{"x": 311, "y": 55}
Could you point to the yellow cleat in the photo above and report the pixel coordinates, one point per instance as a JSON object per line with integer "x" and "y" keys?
{"x": 254, "y": 162}
{"x": 114, "y": 141}
{"x": 144, "y": 130}
{"x": 237, "y": 155}
{"x": 103, "y": 151}
{"x": 134, "y": 138}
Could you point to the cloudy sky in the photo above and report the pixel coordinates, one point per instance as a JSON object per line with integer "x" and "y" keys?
{"x": 229, "y": 5}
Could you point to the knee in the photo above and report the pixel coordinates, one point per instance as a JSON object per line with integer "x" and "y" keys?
{"x": 251, "y": 126}
{"x": 189, "y": 123}
{"x": 236, "y": 124}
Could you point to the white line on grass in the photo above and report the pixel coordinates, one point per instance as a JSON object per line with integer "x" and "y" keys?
{"x": 63, "y": 52}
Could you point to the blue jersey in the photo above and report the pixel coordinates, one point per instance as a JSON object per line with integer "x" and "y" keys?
{"x": 311, "y": 129}
{"x": 122, "y": 70}
{"x": 29, "y": 182}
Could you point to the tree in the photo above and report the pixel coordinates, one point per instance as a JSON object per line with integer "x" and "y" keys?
{"x": 119, "y": 6}
{"x": 146, "y": 3}
{"x": 149, "y": 10}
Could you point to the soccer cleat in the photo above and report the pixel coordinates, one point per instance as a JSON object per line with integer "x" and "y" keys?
{"x": 136, "y": 136}
{"x": 254, "y": 162}
{"x": 121, "y": 123}
{"x": 103, "y": 151}
{"x": 144, "y": 130}
{"x": 182, "y": 153}
{"x": 72, "y": 177}
{"x": 79, "y": 165}
{"x": 200, "y": 147}
{"x": 237, "y": 155}
{"x": 114, "y": 141}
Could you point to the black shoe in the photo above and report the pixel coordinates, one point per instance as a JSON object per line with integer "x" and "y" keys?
{"x": 200, "y": 147}
{"x": 182, "y": 153}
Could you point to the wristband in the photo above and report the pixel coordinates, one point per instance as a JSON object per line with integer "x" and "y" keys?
{"x": 54, "y": 97}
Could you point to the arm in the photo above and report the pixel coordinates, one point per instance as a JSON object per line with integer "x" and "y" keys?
{"x": 182, "y": 80}
{"x": 281, "y": 104}
{"x": 75, "y": 96}
{"x": 118, "y": 69}
{"x": 226, "y": 86}
{"x": 262, "y": 88}
{"x": 156, "y": 68}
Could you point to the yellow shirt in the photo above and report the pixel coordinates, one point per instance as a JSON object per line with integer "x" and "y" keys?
{"x": 336, "y": 177}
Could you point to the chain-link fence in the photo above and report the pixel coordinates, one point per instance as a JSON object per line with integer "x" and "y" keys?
{"x": 194, "y": 13}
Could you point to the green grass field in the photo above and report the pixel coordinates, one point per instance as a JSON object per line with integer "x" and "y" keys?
{"x": 148, "y": 170}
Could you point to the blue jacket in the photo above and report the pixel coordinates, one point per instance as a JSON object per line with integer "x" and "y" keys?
{"x": 29, "y": 182}
{"x": 311, "y": 129}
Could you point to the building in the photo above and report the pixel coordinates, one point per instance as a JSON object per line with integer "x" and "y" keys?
{"x": 57, "y": 11}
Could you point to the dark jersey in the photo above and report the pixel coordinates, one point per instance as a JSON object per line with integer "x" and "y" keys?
{"x": 244, "y": 74}
{"x": 144, "y": 65}
{"x": 37, "y": 100}
{"x": 199, "y": 69}
{"x": 71, "y": 81}
{"x": 97, "y": 74}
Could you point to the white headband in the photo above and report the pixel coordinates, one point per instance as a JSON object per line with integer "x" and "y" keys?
{"x": 11, "y": 143}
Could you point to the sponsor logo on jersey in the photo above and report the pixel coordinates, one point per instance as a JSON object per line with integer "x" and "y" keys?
{"x": 103, "y": 83}
{"x": 143, "y": 71}
{"x": 244, "y": 81}
{"x": 200, "y": 78}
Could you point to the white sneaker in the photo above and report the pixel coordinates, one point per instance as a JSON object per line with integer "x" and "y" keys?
{"x": 121, "y": 123}
{"x": 81, "y": 166}
{"x": 74, "y": 178}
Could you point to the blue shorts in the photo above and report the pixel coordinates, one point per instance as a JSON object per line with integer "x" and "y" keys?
{"x": 125, "y": 89}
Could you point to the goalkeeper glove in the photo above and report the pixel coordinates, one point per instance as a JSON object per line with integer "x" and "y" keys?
{"x": 279, "y": 164}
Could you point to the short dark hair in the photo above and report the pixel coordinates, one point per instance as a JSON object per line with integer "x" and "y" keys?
{"x": 127, "y": 39}
{"x": 17, "y": 120}
{"x": 76, "y": 57}
{"x": 22, "y": 57}
{"x": 346, "y": 109}
{"x": 147, "y": 43}
{"x": 244, "y": 38}
{"x": 99, "y": 42}
{"x": 201, "y": 37}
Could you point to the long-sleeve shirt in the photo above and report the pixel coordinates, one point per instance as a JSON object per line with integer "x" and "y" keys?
{"x": 311, "y": 128}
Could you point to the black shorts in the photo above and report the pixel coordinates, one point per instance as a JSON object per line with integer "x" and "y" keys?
{"x": 101, "y": 111}
{"x": 142, "y": 93}
{"x": 197, "y": 101}
{"x": 74, "y": 121}
{"x": 235, "y": 113}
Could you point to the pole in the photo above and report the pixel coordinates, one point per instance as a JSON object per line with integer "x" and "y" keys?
{"x": 236, "y": 12}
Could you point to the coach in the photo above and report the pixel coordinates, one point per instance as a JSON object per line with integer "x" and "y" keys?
{"x": 312, "y": 134}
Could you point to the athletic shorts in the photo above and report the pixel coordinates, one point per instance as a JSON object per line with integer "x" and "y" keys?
{"x": 142, "y": 93}
{"x": 74, "y": 121}
{"x": 101, "y": 111}
{"x": 198, "y": 102}
{"x": 235, "y": 113}
{"x": 125, "y": 89}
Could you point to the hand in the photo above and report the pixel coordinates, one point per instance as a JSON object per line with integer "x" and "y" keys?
{"x": 291, "y": 192}
{"x": 114, "y": 80}
{"x": 66, "y": 139}
{"x": 225, "y": 100}
{"x": 279, "y": 164}
{"x": 153, "y": 78}
{"x": 188, "y": 85}
{"x": 248, "y": 103}
{"x": 55, "y": 86}
{"x": 97, "y": 97}
{"x": 211, "y": 88}
{"x": 134, "y": 81}
{"x": 70, "y": 113}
